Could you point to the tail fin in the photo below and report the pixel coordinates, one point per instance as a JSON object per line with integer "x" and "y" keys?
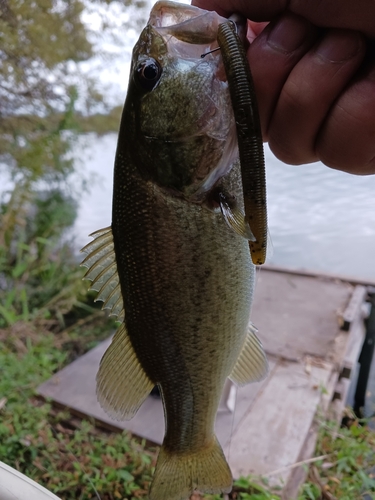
{"x": 178, "y": 475}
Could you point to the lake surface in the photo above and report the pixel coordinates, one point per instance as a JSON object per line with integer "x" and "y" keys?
{"x": 319, "y": 219}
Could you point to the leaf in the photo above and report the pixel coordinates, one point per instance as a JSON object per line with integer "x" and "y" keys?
{"x": 125, "y": 475}
{"x": 9, "y": 316}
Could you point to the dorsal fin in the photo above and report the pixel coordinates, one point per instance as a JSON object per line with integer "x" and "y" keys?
{"x": 102, "y": 271}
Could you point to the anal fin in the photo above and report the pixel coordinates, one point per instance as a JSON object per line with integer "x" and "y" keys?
{"x": 122, "y": 384}
{"x": 251, "y": 365}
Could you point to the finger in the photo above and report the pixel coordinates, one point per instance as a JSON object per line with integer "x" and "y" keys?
{"x": 272, "y": 57}
{"x": 358, "y": 15}
{"x": 256, "y": 29}
{"x": 347, "y": 140}
{"x": 309, "y": 93}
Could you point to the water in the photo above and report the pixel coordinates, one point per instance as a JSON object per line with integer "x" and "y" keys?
{"x": 319, "y": 219}
{"x": 96, "y": 159}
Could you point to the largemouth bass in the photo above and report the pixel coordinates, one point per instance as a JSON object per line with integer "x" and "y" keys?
{"x": 174, "y": 266}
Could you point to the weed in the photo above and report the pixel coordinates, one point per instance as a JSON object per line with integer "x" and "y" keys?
{"x": 70, "y": 457}
{"x": 349, "y": 474}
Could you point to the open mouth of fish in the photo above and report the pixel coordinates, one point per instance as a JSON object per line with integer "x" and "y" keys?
{"x": 190, "y": 33}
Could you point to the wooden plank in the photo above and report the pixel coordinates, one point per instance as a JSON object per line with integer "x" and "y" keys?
{"x": 74, "y": 387}
{"x": 271, "y": 434}
{"x": 328, "y": 393}
{"x": 337, "y": 406}
{"x": 297, "y": 315}
{"x": 353, "y": 309}
{"x": 341, "y": 390}
{"x": 298, "y": 474}
{"x": 353, "y": 348}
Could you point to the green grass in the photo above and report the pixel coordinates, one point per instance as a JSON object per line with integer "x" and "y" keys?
{"x": 348, "y": 472}
{"x": 75, "y": 460}
{"x": 70, "y": 457}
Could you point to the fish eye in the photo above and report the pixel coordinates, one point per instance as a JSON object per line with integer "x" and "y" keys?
{"x": 148, "y": 73}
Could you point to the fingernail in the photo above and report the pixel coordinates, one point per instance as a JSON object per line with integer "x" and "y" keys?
{"x": 287, "y": 34}
{"x": 339, "y": 45}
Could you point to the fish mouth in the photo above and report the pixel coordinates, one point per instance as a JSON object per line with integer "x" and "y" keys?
{"x": 185, "y": 22}
{"x": 188, "y": 32}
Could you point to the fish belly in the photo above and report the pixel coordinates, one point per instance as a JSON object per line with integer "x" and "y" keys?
{"x": 205, "y": 297}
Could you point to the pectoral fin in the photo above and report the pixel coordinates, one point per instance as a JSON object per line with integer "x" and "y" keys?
{"x": 234, "y": 217}
{"x": 122, "y": 384}
{"x": 251, "y": 365}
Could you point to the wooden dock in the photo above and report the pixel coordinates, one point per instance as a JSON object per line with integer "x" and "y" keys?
{"x": 312, "y": 330}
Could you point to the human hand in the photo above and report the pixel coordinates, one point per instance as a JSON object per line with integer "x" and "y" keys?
{"x": 314, "y": 73}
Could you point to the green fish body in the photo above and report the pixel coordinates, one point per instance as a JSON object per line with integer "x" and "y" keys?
{"x": 170, "y": 266}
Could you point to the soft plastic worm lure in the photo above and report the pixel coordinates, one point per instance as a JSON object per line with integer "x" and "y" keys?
{"x": 250, "y": 143}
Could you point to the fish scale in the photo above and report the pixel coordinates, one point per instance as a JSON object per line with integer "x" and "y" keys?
{"x": 171, "y": 266}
